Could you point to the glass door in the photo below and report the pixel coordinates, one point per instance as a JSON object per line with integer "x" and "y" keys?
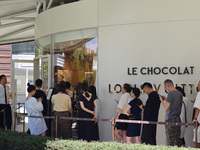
{"x": 22, "y": 73}
{"x": 46, "y": 72}
{"x": 43, "y": 69}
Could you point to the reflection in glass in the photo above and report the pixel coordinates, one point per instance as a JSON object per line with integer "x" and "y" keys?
{"x": 45, "y": 77}
{"x": 77, "y": 64}
{"x": 73, "y": 55}
{"x": 23, "y": 75}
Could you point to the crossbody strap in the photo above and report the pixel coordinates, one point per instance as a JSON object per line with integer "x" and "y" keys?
{"x": 185, "y": 112}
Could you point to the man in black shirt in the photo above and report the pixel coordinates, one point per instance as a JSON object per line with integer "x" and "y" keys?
{"x": 39, "y": 93}
{"x": 151, "y": 111}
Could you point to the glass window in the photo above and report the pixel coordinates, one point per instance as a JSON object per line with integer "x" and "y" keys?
{"x": 75, "y": 57}
{"x": 43, "y": 46}
{"x": 77, "y": 65}
{"x": 23, "y": 51}
{"x": 5, "y": 62}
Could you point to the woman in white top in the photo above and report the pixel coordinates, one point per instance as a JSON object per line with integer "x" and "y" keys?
{"x": 34, "y": 107}
{"x": 197, "y": 117}
{"x": 121, "y": 107}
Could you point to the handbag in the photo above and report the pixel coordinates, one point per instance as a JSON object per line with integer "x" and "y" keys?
{"x": 131, "y": 117}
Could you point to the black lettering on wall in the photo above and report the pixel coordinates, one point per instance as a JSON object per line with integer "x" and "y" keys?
{"x": 141, "y": 70}
{"x": 129, "y": 71}
{"x": 150, "y": 70}
{"x": 186, "y": 71}
{"x": 172, "y": 70}
{"x": 134, "y": 70}
{"x": 179, "y": 71}
{"x": 192, "y": 67}
{"x": 157, "y": 70}
{"x": 165, "y": 73}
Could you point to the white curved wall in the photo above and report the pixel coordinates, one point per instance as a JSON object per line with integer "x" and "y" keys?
{"x": 134, "y": 33}
{"x": 96, "y": 13}
{"x": 73, "y": 16}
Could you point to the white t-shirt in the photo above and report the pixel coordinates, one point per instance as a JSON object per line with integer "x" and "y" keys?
{"x": 197, "y": 104}
{"x": 182, "y": 115}
{"x": 123, "y": 102}
{"x": 37, "y": 126}
{"x": 2, "y": 94}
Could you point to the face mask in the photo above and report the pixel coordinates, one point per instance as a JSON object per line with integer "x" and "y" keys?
{"x": 168, "y": 91}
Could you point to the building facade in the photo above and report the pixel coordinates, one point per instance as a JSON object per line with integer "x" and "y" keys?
{"x": 137, "y": 42}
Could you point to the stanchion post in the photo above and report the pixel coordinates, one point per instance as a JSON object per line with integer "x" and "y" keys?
{"x": 4, "y": 118}
{"x": 113, "y": 129}
{"x": 196, "y": 127}
{"x": 24, "y": 120}
{"x": 15, "y": 115}
{"x": 56, "y": 126}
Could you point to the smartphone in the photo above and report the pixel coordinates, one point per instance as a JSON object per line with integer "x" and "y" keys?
{"x": 116, "y": 101}
{"x": 162, "y": 97}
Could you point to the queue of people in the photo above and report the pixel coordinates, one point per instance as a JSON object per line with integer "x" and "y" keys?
{"x": 175, "y": 105}
{"x": 151, "y": 109}
{"x": 130, "y": 107}
{"x": 62, "y": 107}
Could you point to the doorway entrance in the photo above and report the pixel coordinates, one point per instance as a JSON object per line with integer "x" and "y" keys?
{"x": 45, "y": 69}
{"x": 22, "y": 74}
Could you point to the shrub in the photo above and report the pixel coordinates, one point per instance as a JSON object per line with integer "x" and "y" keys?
{"x": 83, "y": 145}
{"x": 21, "y": 141}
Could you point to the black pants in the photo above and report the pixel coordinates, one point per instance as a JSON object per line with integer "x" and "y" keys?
{"x": 5, "y": 116}
{"x": 149, "y": 134}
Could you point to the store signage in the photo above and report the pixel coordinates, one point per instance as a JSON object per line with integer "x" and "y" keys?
{"x": 117, "y": 88}
{"x": 161, "y": 70}
{"x": 156, "y": 71}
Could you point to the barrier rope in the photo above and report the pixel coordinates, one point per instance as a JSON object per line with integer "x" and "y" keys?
{"x": 113, "y": 121}
{"x": 108, "y": 120}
